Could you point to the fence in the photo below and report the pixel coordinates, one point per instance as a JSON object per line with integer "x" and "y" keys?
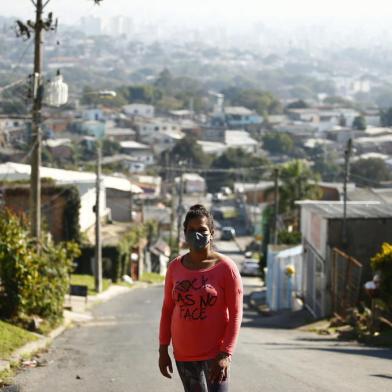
{"x": 314, "y": 281}
{"x": 346, "y": 282}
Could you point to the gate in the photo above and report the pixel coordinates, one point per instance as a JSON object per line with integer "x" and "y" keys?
{"x": 315, "y": 281}
{"x": 346, "y": 282}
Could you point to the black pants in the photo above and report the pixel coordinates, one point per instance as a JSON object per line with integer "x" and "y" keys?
{"x": 194, "y": 377}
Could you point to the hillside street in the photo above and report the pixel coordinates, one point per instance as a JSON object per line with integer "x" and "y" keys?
{"x": 117, "y": 351}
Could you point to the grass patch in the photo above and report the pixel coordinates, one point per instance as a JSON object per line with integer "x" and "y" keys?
{"x": 6, "y": 377}
{"x": 12, "y": 337}
{"x": 88, "y": 280}
{"x": 152, "y": 277}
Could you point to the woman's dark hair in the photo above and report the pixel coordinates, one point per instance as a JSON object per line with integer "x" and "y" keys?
{"x": 196, "y": 211}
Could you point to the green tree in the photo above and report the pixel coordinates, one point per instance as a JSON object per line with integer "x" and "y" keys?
{"x": 342, "y": 121}
{"x": 300, "y": 104}
{"x": 190, "y": 152}
{"x": 164, "y": 82}
{"x": 110, "y": 147}
{"x": 370, "y": 172}
{"x": 278, "y": 143}
{"x": 386, "y": 117}
{"x": 325, "y": 165}
{"x": 338, "y": 101}
{"x": 359, "y": 123}
{"x": 235, "y": 158}
{"x": 33, "y": 283}
{"x": 263, "y": 102}
{"x": 95, "y": 97}
{"x": 298, "y": 182}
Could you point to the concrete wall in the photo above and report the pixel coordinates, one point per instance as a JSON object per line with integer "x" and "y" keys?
{"x": 120, "y": 204}
{"x": 52, "y": 202}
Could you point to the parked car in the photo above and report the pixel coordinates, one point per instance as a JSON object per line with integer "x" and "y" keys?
{"x": 227, "y": 233}
{"x": 250, "y": 267}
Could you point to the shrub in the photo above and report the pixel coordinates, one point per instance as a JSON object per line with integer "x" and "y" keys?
{"x": 382, "y": 262}
{"x": 32, "y": 281}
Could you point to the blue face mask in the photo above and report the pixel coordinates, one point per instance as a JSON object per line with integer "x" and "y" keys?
{"x": 197, "y": 240}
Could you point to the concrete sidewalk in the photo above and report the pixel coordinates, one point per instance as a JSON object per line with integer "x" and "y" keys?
{"x": 283, "y": 319}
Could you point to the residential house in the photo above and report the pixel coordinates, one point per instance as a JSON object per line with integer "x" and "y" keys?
{"x": 61, "y": 149}
{"x": 182, "y": 114}
{"x": 139, "y": 110}
{"x": 242, "y": 140}
{"x": 192, "y": 183}
{"x": 237, "y": 117}
{"x": 93, "y": 128}
{"x": 372, "y": 117}
{"x": 142, "y": 152}
{"x": 213, "y": 148}
{"x": 84, "y": 181}
{"x": 368, "y": 224}
{"x": 93, "y": 114}
{"x": 125, "y": 162}
{"x": 13, "y": 131}
{"x": 121, "y": 203}
{"x": 298, "y": 129}
{"x": 120, "y": 134}
{"x": 216, "y": 140}
{"x": 151, "y": 186}
{"x": 160, "y": 253}
{"x": 381, "y": 144}
{"x": 57, "y": 124}
{"x": 146, "y": 128}
{"x": 165, "y": 140}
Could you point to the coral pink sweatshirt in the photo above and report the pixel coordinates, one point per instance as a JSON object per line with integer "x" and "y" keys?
{"x": 202, "y": 310}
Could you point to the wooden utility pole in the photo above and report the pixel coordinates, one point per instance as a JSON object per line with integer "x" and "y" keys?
{"x": 98, "y": 244}
{"x": 35, "y": 178}
{"x": 180, "y": 209}
{"x": 347, "y": 155}
{"x": 276, "y": 206}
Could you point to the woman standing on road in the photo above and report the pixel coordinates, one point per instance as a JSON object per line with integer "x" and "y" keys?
{"x": 202, "y": 310}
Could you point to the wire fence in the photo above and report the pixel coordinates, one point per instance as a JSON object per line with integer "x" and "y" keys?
{"x": 346, "y": 282}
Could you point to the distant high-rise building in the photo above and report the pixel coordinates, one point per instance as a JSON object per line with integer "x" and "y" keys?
{"x": 91, "y": 25}
{"x": 119, "y": 25}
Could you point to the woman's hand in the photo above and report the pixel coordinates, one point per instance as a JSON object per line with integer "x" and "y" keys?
{"x": 165, "y": 362}
{"x": 219, "y": 371}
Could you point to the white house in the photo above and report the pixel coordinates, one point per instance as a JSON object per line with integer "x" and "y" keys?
{"x": 139, "y": 109}
{"x": 241, "y": 139}
{"x": 146, "y": 128}
{"x": 165, "y": 140}
{"x": 141, "y": 151}
{"x": 84, "y": 181}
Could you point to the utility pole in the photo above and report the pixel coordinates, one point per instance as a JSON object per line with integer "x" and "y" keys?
{"x": 98, "y": 244}
{"x": 180, "y": 209}
{"x": 26, "y": 30}
{"x": 276, "y": 206}
{"x": 35, "y": 178}
{"x": 347, "y": 156}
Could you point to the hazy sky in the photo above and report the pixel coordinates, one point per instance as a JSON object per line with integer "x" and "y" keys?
{"x": 229, "y": 12}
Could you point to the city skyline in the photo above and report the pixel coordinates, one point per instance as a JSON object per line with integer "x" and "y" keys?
{"x": 207, "y": 13}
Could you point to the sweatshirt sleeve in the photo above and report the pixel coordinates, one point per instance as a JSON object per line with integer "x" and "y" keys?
{"x": 234, "y": 300}
{"x": 167, "y": 310}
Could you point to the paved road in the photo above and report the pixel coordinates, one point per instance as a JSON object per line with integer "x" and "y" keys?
{"x": 117, "y": 352}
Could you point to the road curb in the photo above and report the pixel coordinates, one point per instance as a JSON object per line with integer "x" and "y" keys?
{"x": 32, "y": 347}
